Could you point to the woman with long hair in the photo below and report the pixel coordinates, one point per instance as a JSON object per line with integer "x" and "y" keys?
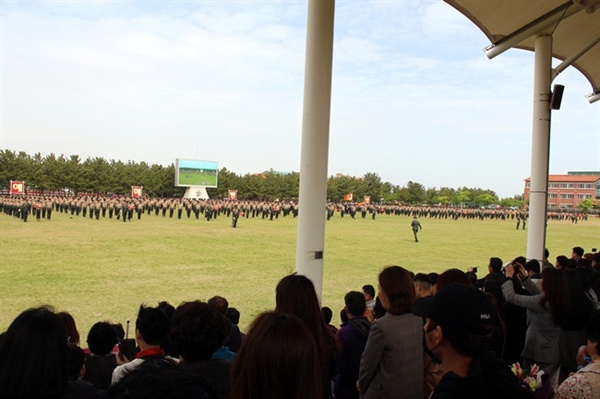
{"x": 33, "y": 356}
{"x": 572, "y": 329}
{"x": 391, "y": 365}
{"x": 279, "y": 359}
{"x": 546, "y": 310}
{"x": 295, "y": 294}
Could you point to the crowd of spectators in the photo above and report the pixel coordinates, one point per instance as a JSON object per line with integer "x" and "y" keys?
{"x": 452, "y": 335}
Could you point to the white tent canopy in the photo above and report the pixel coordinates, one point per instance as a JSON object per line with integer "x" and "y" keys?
{"x": 566, "y": 30}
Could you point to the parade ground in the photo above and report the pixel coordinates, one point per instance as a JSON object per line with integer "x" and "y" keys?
{"x": 104, "y": 269}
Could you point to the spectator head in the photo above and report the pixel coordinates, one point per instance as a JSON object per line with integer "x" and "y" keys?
{"x": 592, "y": 331}
{"x": 119, "y": 330}
{"x": 219, "y": 303}
{"x": 452, "y": 276}
{"x": 561, "y": 262}
{"x": 158, "y": 379}
{"x": 495, "y": 265}
{"x": 459, "y": 317}
{"x": 520, "y": 260}
{"x": 434, "y": 277}
{"x": 577, "y": 253}
{"x": 422, "y": 285}
{"x": 102, "y": 338}
{"x": 198, "y": 330}
{"x": 295, "y": 294}
{"x": 71, "y": 327}
{"x": 167, "y": 308}
{"x": 327, "y": 314}
{"x": 571, "y": 264}
{"x": 355, "y": 303}
{"x": 233, "y": 315}
{"x": 344, "y": 315}
{"x": 75, "y": 362}
{"x": 595, "y": 263}
{"x": 278, "y": 360}
{"x": 33, "y": 356}
{"x": 583, "y": 264}
{"x": 546, "y": 254}
{"x": 533, "y": 267}
{"x": 472, "y": 277}
{"x": 555, "y": 291}
{"x": 152, "y": 324}
{"x": 369, "y": 292}
{"x": 396, "y": 290}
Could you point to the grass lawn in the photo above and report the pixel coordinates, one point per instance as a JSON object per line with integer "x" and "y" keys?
{"x": 103, "y": 270}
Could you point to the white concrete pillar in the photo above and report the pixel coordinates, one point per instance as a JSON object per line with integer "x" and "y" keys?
{"x": 540, "y": 147}
{"x": 315, "y": 142}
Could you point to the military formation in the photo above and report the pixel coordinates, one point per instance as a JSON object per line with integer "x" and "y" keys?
{"x": 126, "y": 209}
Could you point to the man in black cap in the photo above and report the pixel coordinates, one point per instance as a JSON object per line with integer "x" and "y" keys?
{"x": 459, "y": 322}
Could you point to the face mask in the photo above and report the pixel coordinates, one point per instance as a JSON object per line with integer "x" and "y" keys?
{"x": 430, "y": 351}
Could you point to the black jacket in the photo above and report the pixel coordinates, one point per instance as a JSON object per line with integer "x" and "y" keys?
{"x": 489, "y": 378}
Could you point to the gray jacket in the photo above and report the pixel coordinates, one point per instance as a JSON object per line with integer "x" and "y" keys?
{"x": 391, "y": 365}
{"x": 541, "y": 340}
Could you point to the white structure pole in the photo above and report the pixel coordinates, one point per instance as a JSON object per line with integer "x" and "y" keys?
{"x": 315, "y": 142}
{"x": 540, "y": 147}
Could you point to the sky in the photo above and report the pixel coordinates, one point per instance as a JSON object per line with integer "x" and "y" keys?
{"x": 414, "y": 98}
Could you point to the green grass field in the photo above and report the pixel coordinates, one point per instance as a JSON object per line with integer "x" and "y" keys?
{"x": 103, "y": 270}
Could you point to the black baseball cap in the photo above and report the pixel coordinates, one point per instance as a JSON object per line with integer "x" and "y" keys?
{"x": 460, "y": 310}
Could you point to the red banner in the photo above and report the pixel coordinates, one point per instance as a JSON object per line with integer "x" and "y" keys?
{"x": 232, "y": 195}
{"x": 348, "y": 197}
{"x": 17, "y": 187}
{"x": 137, "y": 191}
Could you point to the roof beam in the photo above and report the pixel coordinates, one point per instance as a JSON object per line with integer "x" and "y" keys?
{"x": 541, "y": 24}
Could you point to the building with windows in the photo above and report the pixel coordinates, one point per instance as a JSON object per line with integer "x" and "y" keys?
{"x": 567, "y": 191}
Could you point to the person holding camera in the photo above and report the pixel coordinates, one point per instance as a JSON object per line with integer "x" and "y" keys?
{"x": 545, "y": 311}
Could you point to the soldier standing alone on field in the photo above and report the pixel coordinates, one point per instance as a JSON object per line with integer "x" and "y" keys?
{"x": 416, "y": 226}
{"x": 235, "y": 214}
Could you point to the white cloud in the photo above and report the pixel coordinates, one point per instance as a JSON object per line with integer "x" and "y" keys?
{"x": 414, "y": 97}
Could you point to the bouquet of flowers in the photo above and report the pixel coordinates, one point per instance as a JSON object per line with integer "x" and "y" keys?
{"x": 533, "y": 379}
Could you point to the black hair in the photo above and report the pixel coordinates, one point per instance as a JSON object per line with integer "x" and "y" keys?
{"x": 153, "y": 324}
{"x": 327, "y": 314}
{"x": 102, "y": 338}
{"x": 75, "y": 361}
{"x": 520, "y": 259}
{"x": 158, "y": 379}
{"x": 219, "y": 303}
{"x": 592, "y": 328}
{"x": 433, "y": 276}
{"x": 496, "y": 264}
{"x": 119, "y": 330}
{"x": 198, "y": 330}
{"x": 355, "y": 303}
{"x": 533, "y": 266}
{"x": 369, "y": 289}
{"x": 167, "y": 308}
{"x": 471, "y": 345}
{"x": 344, "y": 315}
{"x": 562, "y": 261}
{"x": 579, "y": 251}
{"x": 33, "y": 356}
{"x": 579, "y": 306}
{"x": 233, "y": 315}
{"x": 422, "y": 280}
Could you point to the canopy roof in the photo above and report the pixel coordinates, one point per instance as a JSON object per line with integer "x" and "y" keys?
{"x": 575, "y": 28}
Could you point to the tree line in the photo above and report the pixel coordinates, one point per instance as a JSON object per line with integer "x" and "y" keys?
{"x": 71, "y": 174}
